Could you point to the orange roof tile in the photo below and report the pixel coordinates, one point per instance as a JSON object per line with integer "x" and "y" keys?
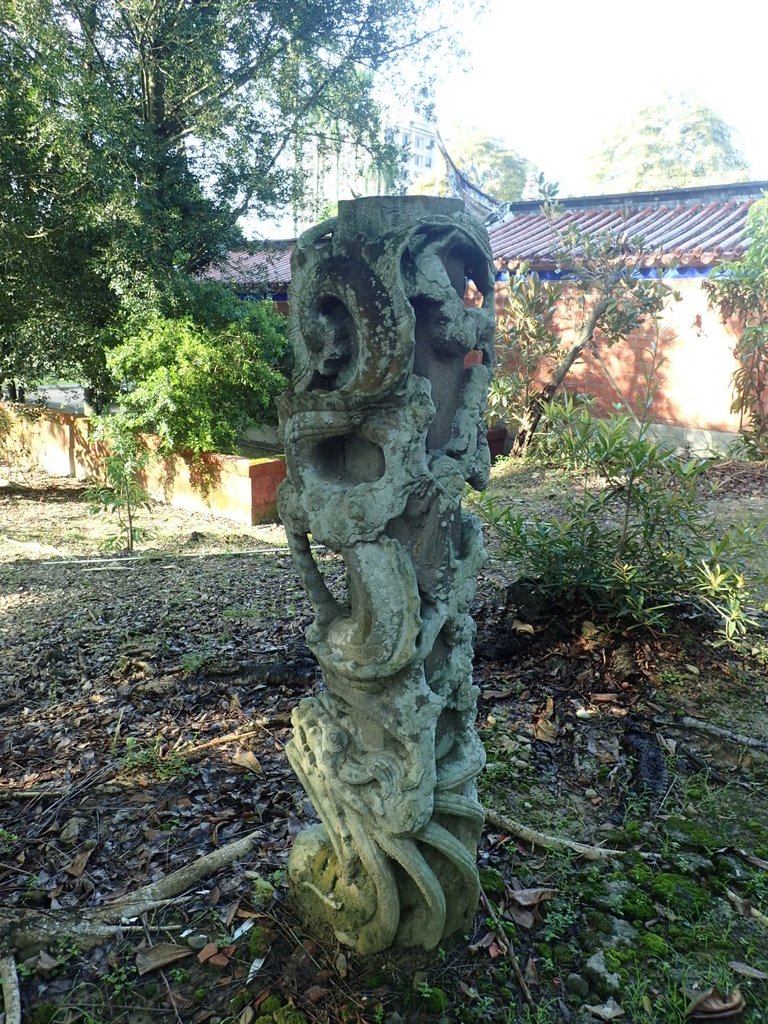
{"x": 695, "y": 226}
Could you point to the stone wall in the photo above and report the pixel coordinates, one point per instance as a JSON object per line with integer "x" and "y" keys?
{"x": 238, "y": 488}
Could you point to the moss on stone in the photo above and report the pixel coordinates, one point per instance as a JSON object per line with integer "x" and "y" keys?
{"x": 598, "y": 921}
{"x": 289, "y": 1015}
{"x": 636, "y": 906}
{"x": 693, "y": 833}
{"x": 640, "y": 874}
{"x": 258, "y": 943}
{"x": 653, "y": 945}
{"x": 679, "y": 893}
{"x": 563, "y": 954}
{"x": 492, "y": 881}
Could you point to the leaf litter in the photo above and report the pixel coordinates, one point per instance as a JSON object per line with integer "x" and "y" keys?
{"x": 146, "y": 706}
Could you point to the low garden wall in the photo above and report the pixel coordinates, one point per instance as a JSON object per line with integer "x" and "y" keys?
{"x": 60, "y": 443}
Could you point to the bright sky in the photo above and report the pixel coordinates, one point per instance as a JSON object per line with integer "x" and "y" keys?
{"x": 553, "y": 78}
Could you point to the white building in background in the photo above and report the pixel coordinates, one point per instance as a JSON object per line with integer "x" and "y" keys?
{"x": 418, "y": 140}
{"x": 347, "y": 171}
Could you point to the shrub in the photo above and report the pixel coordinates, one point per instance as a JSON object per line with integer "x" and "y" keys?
{"x": 740, "y": 291}
{"x": 198, "y": 385}
{"x": 635, "y": 542}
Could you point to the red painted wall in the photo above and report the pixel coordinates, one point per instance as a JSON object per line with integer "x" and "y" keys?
{"x": 695, "y": 378}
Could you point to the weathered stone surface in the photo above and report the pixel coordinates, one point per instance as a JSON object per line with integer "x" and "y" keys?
{"x": 382, "y": 430}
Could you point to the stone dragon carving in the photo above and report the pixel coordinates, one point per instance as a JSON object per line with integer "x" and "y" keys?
{"x": 382, "y": 430}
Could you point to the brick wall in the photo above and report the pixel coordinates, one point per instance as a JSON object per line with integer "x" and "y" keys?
{"x": 238, "y": 488}
{"x": 695, "y": 389}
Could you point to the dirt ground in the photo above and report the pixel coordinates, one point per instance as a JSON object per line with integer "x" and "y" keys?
{"x": 145, "y": 708}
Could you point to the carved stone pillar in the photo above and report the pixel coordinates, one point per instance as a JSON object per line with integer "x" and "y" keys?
{"x": 382, "y": 430}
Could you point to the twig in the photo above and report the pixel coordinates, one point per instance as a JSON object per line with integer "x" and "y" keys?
{"x": 231, "y": 737}
{"x": 35, "y": 927}
{"x": 7, "y": 795}
{"x": 509, "y": 949}
{"x": 686, "y": 722}
{"x": 548, "y": 842}
{"x": 9, "y": 983}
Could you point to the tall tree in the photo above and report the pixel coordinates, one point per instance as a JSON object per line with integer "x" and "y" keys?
{"x": 499, "y": 170}
{"x": 135, "y": 133}
{"x": 672, "y": 144}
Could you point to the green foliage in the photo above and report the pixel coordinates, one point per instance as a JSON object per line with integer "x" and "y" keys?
{"x": 171, "y": 765}
{"x": 526, "y": 344}
{"x": 133, "y": 136}
{"x": 672, "y": 144}
{"x": 125, "y": 458}
{"x": 7, "y": 839}
{"x": 635, "y": 542}
{"x": 198, "y": 385}
{"x": 498, "y": 170}
{"x": 740, "y": 291}
{"x": 599, "y": 299}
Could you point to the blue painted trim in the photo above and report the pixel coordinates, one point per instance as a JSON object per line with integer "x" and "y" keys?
{"x": 646, "y": 273}
{"x": 262, "y": 296}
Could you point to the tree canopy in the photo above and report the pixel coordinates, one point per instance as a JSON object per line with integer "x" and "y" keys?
{"x": 134, "y": 135}
{"x": 499, "y": 170}
{"x": 672, "y": 144}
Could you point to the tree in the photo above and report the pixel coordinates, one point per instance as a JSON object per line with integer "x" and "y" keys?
{"x": 498, "y": 170}
{"x": 490, "y": 164}
{"x": 740, "y": 291}
{"x": 673, "y": 144}
{"x": 136, "y": 133}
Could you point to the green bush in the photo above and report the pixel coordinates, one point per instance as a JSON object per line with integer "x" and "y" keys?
{"x": 199, "y": 384}
{"x": 635, "y": 542}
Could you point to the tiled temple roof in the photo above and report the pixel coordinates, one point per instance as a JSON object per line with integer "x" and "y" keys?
{"x": 256, "y": 270}
{"x": 695, "y": 227}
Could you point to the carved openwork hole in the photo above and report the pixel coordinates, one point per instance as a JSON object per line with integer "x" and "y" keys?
{"x": 331, "y": 338}
{"x": 349, "y": 459}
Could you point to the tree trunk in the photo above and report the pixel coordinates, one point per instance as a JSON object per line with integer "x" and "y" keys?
{"x": 535, "y": 409}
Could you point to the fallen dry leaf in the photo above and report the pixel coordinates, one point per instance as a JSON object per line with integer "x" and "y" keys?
{"x": 483, "y": 943}
{"x": 209, "y": 950}
{"x": 531, "y": 972}
{"x": 316, "y": 993}
{"x": 341, "y": 965}
{"x": 78, "y": 863}
{"x": 740, "y": 905}
{"x": 247, "y": 759}
{"x": 668, "y": 745}
{"x": 219, "y": 960}
{"x": 45, "y": 962}
{"x": 164, "y": 953}
{"x": 522, "y": 627}
{"x": 711, "y": 1005}
{"x": 531, "y": 897}
{"x": 522, "y": 918}
{"x": 747, "y": 971}
{"x": 543, "y": 726}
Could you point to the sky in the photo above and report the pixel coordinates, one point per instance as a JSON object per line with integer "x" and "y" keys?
{"x": 553, "y": 79}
